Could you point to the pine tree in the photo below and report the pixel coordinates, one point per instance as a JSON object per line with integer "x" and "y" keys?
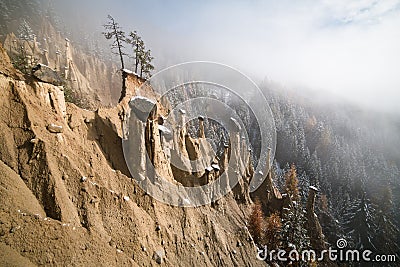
{"x": 113, "y": 31}
{"x": 314, "y": 170}
{"x": 142, "y": 57}
{"x": 22, "y": 61}
{"x": 303, "y": 185}
{"x": 360, "y": 223}
{"x": 146, "y": 66}
{"x": 137, "y": 43}
{"x": 25, "y": 31}
{"x": 387, "y": 232}
{"x": 294, "y": 233}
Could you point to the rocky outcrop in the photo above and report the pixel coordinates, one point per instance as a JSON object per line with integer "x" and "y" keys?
{"x": 66, "y": 201}
{"x": 46, "y": 74}
{"x": 268, "y": 193}
{"x": 96, "y": 81}
{"x": 6, "y": 67}
{"x": 55, "y": 128}
{"x": 313, "y": 226}
{"x": 178, "y": 157}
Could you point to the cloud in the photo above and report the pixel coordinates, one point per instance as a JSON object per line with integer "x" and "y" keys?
{"x": 365, "y": 11}
{"x": 350, "y": 48}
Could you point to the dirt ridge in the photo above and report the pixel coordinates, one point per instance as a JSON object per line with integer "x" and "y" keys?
{"x": 88, "y": 210}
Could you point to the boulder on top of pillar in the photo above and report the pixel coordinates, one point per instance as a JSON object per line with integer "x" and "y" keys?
{"x": 235, "y": 124}
{"x": 215, "y": 167}
{"x": 313, "y": 188}
{"x": 209, "y": 168}
{"x": 143, "y": 107}
{"x": 165, "y": 131}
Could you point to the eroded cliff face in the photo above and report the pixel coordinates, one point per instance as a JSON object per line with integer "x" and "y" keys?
{"x": 96, "y": 82}
{"x": 67, "y": 198}
{"x": 180, "y": 158}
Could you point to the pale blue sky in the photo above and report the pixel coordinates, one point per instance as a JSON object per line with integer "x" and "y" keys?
{"x": 350, "y": 48}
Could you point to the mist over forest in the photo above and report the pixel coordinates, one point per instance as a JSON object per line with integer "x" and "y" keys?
{"x": 347, "y": 49}
{"x": 329, "y": 72}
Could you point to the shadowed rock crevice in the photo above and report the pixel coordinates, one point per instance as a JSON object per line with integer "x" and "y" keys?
{"x": 110, "y": 143}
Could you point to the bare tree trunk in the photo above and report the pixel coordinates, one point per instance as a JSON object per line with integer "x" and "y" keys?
{"x": 136, "y": 58}
{"x": 123, "y": 92}
{"x": 118, "y": 44}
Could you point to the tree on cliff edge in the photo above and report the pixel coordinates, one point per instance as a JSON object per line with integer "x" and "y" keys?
{"x": 138, "y": 46}
{"x": 114, "y": 32}
{"x": 142, "y": 57}
{"x": 146, "y": 66}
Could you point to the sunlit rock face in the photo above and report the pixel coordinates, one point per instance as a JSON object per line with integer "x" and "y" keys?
{"x": 46, "y": 74}
{"x": 69, "y": 188}
{"x": 97, "y": 82}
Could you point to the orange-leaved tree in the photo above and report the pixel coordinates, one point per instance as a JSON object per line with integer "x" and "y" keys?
{"x": 256, "y": 222}
{"x": 291, "y": 183}
{"x": 272, "y": 231}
